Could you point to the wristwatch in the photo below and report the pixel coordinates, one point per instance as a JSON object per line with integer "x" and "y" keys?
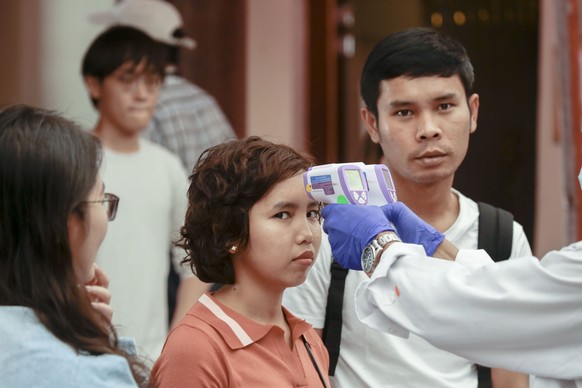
{"x": 369, "y": 260}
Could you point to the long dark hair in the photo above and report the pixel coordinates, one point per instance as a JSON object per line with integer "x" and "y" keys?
{"x": 48, "y": 166}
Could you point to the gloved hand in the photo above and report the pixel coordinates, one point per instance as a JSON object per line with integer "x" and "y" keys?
{"x": 411, "y": 228}
{"x": 350, "y": 228}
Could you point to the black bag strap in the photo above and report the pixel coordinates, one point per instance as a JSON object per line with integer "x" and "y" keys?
{"x": 496, "y": 238}
{"x": 332, "y": 328}
{"x": 495, "y": 231}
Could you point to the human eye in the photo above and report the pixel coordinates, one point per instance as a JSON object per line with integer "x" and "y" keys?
{"x": 153, "y": 80}
{"x": 445, "y": 106}
{"x": 403, "y": 113}
{"x": 314, "y": 214}
{"x": 283, "y": 215}
{"x": 126, "y": 78}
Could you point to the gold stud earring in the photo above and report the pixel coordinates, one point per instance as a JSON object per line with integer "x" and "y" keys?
{"x": 232, "y": 249}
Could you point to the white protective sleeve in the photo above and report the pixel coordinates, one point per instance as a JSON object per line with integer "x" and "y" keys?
{"x": 521, "y": 314}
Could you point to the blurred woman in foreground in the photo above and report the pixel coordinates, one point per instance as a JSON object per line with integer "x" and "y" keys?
{"x": 54, "y": 316}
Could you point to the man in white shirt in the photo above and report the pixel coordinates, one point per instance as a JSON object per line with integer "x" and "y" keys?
{"x": 523, "y": 314}
{"x": 419, "y": 107}
{"x": 123, "y": 70}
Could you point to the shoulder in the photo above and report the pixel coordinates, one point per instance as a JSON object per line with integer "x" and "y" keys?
{"x": 176, "y": 88}
{"x": 106, "y": 370}
{"x": 464, "y": 231}
{"x": 470, "y": 209}
{"x": 22, "y": 333}
{"x": 194, "y": 333}
{"x": 31, "y": 343}
{"x": 158, "y": 153}
{"x": 466, "y": 204}
{"x": 190, "y": 356}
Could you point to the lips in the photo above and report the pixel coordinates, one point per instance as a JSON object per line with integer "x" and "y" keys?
{"x": 431, "y": 158}
{"x": 307, "y": 255}
{"x": 305, "y": 259}
{"x": 140, "y": 109}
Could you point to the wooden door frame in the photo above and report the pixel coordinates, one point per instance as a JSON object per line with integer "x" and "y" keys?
{"x": 322, "y": 91}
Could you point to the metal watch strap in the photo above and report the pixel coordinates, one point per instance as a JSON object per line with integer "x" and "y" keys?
{"x": 379, "y": 243}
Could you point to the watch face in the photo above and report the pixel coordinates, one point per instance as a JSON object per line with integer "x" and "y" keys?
{"x": 368, "y": 258}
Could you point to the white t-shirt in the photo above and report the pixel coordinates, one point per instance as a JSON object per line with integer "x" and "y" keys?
{"x": 522, "y": 314}
{"x": 151, "y": 184}
{"x": 369, "y": 358}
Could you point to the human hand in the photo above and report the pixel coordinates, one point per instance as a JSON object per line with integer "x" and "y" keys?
{"x": 411, "y": 228}
{"x": 350, "y": 228}
{"x": 99, "y": 295}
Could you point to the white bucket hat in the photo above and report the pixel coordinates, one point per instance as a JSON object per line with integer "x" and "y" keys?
{"x": 159, "y": 19}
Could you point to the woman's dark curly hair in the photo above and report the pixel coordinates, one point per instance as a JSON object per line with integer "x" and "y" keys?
{"x": 226, "y": 182}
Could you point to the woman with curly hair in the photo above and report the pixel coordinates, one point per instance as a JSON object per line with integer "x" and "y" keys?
{"x": 251, "y": 227}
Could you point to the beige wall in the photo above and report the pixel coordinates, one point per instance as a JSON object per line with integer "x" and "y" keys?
{"x": 276, "y": 70}
{"x": 48, "y": 40}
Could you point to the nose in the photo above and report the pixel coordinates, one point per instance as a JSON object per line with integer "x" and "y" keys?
{"x": 140, "y": 88}
{"x": 428, "y": 128}
{"x": 305, "y": 233}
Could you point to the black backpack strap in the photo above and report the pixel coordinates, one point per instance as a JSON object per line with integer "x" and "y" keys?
{"x": 496, "y": 238}
{"x": 495, "y": 231}
{"x": 332, "y": 329}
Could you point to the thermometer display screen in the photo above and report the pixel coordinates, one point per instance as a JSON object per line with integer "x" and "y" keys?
{"x": 354, "y": 180}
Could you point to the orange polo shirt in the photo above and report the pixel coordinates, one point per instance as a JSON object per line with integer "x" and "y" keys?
{"x": 214, "y": 346}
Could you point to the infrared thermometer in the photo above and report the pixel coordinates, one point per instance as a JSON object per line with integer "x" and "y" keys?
{"x": 350, "y": 183}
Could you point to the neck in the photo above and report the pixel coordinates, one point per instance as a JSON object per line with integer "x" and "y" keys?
{"x": 435, "y": 203}
{"x": 243, "y": 298}
{"x": 115, "y": 139}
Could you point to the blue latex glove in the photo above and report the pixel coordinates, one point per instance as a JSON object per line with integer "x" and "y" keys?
{"x": 411, "y": 228}
{"x": 350, "y": 228}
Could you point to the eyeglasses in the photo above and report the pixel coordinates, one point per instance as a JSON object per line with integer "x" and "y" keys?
{"x": 110, "y": 201}
{"x": 130, "y": 81}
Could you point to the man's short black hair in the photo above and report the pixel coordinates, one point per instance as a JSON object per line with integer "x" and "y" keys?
{"x": 414, "y": 52}
{"x": 119, "y": 45}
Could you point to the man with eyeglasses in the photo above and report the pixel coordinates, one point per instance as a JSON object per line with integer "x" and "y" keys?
{"x": 123, "y": 70}
{"x": 187, "y": 119}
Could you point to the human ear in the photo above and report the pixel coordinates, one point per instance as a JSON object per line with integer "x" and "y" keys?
{"x": 474, "y": 111}
{"x": 93, "y": 86}
{"x": 371, "y": 123}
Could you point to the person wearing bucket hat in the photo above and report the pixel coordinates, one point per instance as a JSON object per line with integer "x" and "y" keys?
{"x": 187, "y": 119}
{"x": 523, "y": 314}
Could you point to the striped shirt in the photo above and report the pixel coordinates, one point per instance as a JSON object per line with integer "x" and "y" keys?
{"x": 187, "y": 121}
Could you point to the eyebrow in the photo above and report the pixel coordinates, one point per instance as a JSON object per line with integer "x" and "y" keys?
{"x": 403, "y": 103}
{"x": 293, "y": 205}
{"x": 447, "y": 96}
{"x": 400, "y": 103}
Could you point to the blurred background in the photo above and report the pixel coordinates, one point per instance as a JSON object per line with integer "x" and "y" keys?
{"x": 288, "y": 70}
